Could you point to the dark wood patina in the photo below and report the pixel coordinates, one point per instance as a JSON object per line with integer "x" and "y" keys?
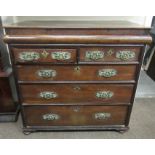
{"x": 75, "y": 79}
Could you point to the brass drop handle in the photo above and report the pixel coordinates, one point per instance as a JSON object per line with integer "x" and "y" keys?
{"x": 102, "y": 115}
{"x": 50, "y": 117}
{"x": 104, "y": 94}
{"x": 46, "y": 73}
{"x": 61, "y": 55}
{"x": 107, "y": 73}
{"x": 48, "y": 95}
{"x": 94, "y": 55}
{"x": 29, "y": 56}
{"x": 125, "y": 55}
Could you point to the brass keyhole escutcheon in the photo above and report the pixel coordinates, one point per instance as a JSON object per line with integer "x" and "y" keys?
{"x": 110, "y": 52}
{"x": 44, "y": 54}
{"x": 76, "y": 108}
{"x": 77, "y": 88}
{"x": 77, "y": 68}
{"x": 77, "y": 71}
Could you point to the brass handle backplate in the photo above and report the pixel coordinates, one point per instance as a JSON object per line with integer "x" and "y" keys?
{"x": 61, "y": 55}
{"x": 107, "y": 72}
{"x": 50, "y": 117}
{"x": 29, "y": 56}
{"x": 104, "y": 94}
{"x": 46, "y": 73}
{"x": 125, "y": 55}
{"x": 48, "y": 95}
{"x": 94, "y": 55}
{"x": 102, "y": 115}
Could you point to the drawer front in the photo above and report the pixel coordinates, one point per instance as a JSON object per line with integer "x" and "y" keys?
{"x": 109, "y": 54}
{"x": 74, "y": 115}
{"x": 76, "y": 73}
{"x": 76, "y": 93}
{"x": 26, "y": 55}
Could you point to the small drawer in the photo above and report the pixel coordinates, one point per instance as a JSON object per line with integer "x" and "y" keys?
{"x": 77, "y": 73}
{"x": 76, "y": 93}
{"x": 74, "y": 115}
{"x": 40, "y": 55}
{"x": 109, "y": 54}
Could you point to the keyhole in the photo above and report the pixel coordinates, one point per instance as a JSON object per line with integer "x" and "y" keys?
{"x": 76, "y": 108}
{"x": 77, "y": 88}
{"x": 77, "y": 68}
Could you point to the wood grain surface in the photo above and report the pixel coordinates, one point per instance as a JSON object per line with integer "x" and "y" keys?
{"x": 76, "y": 93}
{"x": 74, "y": 115}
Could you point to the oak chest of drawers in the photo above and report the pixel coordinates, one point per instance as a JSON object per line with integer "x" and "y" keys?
{"x": 76, "y": 75}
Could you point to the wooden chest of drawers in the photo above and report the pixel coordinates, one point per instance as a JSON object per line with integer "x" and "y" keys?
{"x": 73, "y": 77}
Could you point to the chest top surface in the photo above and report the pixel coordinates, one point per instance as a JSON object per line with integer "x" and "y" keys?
{"x": 75, "y": 24}
{"x": 81, "y": 32}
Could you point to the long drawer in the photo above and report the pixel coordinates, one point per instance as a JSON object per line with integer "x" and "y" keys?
{"x": 76, "y": 93}
{"x": 74, "y": 115}
{"x": 77, "y": 73}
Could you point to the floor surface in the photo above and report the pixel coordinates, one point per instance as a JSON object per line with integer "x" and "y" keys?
{"x": 146, "y": 86}
{"x": 142, "y": 125}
